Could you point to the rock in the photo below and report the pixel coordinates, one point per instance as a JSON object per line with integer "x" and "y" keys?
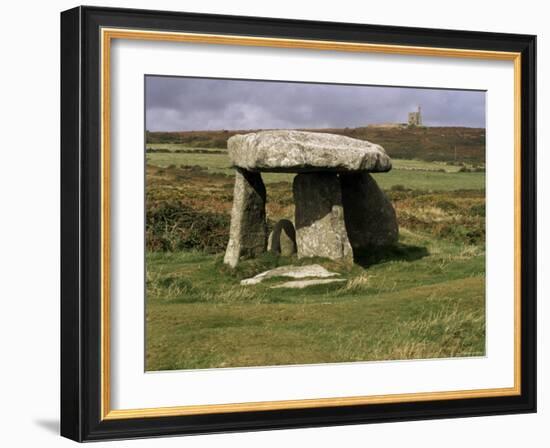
{"x": 299, "y": 151}
{"x": 369, "y": 215}
{"x": 270, "y": 241}
{"x": 248, "y": 231}
{"x": 312, "y": 270}
{"x": 320, "y": 227}
{"x": 333, "y": 177}
{"x": 283, "y": 238}
{"x": 299, "y": 284}
{"x": 287, "y": 243}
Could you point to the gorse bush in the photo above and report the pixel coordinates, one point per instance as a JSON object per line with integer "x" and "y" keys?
{"x": 458, "y": 216}
{"x": 172, "y": 226}
{"x": 478, "y": 210}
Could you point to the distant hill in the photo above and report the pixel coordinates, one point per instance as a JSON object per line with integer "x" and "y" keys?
{"x": 446, "y": 144}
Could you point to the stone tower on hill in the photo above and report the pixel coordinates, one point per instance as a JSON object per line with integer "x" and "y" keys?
{"x": 415, "y": 118}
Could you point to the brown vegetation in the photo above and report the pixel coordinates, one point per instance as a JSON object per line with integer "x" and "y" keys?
{"x": 424, "y": 143}
{"x": 189, "y": 208}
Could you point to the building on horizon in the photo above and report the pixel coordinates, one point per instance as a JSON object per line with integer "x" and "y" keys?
{"x": 414, "y": 120}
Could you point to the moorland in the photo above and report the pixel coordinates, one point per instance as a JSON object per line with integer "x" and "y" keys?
{"x": 422, "y": 298}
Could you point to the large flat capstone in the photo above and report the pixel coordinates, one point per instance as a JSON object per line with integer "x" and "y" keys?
{"x": 300, "y": 151}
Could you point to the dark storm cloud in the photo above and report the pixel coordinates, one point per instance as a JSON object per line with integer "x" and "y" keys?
{"x": 178, "y": 104}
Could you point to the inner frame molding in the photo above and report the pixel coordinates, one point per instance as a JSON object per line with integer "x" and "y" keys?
{"x": 106, "y": 37}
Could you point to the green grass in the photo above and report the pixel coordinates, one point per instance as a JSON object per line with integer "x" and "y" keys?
{"x": 412, "y": 174}
{"x": 429, "y": 180}
{"x": 180, "y": 147}
{"x": 424, "y": 299}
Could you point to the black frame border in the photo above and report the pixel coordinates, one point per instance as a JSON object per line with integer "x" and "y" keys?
{"x": 81, "y": 223}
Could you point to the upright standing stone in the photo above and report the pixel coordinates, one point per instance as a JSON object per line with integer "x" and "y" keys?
{"x": 248, "y": 231}
{"x": 326, "y": 163}
{"x": 369, "y": 215}
{"x": 320, "y": 227}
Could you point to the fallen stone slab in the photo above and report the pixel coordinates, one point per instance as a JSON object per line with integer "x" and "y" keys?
{"x": 312, "y": 270}
{"x": 300, "y": 284}
{"x": 300, "y": 151}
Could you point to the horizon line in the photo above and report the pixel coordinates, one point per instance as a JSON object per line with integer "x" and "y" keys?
{"x": 381, "y": 125}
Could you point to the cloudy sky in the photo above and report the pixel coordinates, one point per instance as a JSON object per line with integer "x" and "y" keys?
{"x": 182, "y": 104}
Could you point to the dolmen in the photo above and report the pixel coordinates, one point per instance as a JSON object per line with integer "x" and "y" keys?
{"x": 339, "y": 207}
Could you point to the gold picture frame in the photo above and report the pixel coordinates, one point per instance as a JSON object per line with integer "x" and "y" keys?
{"x": 105, "y": 31}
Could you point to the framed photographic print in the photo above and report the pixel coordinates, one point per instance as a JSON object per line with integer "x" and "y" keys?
{"x": 274, "y": 223}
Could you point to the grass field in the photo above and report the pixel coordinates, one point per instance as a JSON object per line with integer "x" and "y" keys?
{"x": 423, "y": 298}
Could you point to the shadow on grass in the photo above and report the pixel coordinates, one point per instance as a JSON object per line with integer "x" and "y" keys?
{"x": 382, "y": 254}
